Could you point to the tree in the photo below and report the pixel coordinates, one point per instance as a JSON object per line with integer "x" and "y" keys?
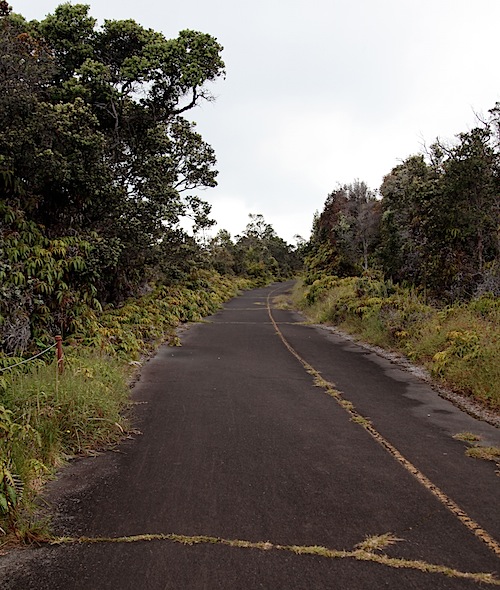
{"x": 346, "y": 232}
{"x": 258, "y": 252}
{"x": 470, "y": 174}
{"x": 92, "y": 128}
{"x": 406, "y": 192}
{"x": 222, "y": 252}
{"x": 440, "y": 219}
{"x": 262, "y": 253}
{"x": 98, "y": 163}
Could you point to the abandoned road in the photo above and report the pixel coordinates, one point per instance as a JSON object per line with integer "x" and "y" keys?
{"x": 275, "y": 454}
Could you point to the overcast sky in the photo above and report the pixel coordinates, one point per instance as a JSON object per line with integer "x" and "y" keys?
{"x": 320, "y": 92}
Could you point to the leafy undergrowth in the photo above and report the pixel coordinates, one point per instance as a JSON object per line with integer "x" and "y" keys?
{"x": 46, "y": 418}
{"x": 459, "y": 344}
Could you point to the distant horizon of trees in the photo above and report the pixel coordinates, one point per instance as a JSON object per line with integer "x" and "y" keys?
{"x": 436, "y": 224}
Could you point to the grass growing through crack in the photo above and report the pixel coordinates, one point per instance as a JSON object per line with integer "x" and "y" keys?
{"x": 368, "y": 550}
{"x": 467, "y": 437}
{"x": 478, "y": 451}
{"x": 378, "y": 542}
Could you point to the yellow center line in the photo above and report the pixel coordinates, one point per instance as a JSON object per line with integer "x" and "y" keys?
{"x": 356, "y": 417}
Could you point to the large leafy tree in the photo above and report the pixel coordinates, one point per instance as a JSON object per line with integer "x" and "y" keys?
{"x": 345, "y": 233}
{"x": 98, "y": 163}
{"x": 441, "y": 218}
{"x": 92, "y": 128}
{"x": 407, "y": 193}
{"x": 470, "y": 183}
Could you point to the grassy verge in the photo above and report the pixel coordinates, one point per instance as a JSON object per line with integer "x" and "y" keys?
{"x": 46, "y": 418}
{"x": 459, "y": 345}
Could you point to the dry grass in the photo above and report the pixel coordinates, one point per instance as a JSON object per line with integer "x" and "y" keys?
{"x": 368, "y": 550}
{"x": 467, "y": 437}
{"x": 485, "y": 453}
{"x": 459, "y": 345}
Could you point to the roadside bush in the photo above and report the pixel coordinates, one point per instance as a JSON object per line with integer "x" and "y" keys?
{"x": 46, "y": 418}
{"x": 459, "y": 345}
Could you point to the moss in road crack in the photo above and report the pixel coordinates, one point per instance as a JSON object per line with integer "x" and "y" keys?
{"x": 368, "y": 550}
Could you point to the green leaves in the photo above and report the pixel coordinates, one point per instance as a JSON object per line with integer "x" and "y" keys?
{"x": 258, "y": 253}
{"x": 11, "y": 485}
{"x": 42, "y": 279}
{"x": 440, "y": 222}
{"x": 346, "y": 232}
{"x": 70, "y": 31}
{"x": 94, "y": 144}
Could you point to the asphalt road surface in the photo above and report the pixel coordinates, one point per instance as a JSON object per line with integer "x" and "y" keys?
{"x": 275, "y": 455}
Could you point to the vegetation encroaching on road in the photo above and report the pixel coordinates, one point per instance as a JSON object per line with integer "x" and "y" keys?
{"x": 416, "y": 267}
{"x": 99, "y": 170}
{"x": 46, "y": 418}
{"x": 459, "y": 343}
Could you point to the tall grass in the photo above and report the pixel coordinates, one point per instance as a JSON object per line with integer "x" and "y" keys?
{"x": 459, "y": 345}
{"x": 66, "y": 414}
{"x": 45, "y": 418}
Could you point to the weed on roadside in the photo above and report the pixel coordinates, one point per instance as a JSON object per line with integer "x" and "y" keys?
{"x": 485, "y": 453}
{"x": 467, "y": 437}
{"x": 459, "y": 344}
{"x": 46, "y": 418}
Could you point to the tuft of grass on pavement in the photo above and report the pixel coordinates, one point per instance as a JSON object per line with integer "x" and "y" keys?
{"x": 485, "y": 453}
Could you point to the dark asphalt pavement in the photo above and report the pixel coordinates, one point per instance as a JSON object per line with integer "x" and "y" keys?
{"x": 240, "y": 444}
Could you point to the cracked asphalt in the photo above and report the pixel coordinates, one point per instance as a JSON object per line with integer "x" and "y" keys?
{"x": 240, "y": 443}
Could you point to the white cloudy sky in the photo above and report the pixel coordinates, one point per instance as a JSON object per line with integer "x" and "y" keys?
{"x": 324, "y": 91}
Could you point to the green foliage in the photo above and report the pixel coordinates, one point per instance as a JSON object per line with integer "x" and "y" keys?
{"x": 436, "y": 226}
{"x": 345, "y": 234}
{"x": 94, "y": 150}
{"x": 463, "y": 345}
{"x": 259, "y": 253}
{"x": 44, "y": 286}
{"x": 45, "y": 418}
{"x": 137, "y": 327}
{"x": 321, "y": 287}
{"x": 440, "y": 219}
{"x": 459, "y": 344}
{"x": 98, "y": 168}
{"x": 11, "y": 485}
